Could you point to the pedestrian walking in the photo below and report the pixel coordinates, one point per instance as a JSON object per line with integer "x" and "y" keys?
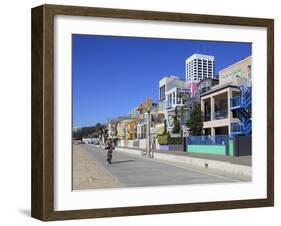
{"x": 109, "y": 147}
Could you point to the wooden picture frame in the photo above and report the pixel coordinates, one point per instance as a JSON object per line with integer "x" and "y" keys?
{"x": 42, "y": 203}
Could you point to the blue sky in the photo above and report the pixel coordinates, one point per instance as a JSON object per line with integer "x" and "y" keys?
{"x": 112, "y": 75}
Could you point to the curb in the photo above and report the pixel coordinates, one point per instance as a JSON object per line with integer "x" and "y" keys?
{"x": 227, "y": 167}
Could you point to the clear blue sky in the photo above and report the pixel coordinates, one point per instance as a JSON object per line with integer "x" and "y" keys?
{"x": 112, "y": 75}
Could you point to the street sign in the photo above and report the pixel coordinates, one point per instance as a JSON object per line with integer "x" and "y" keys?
{"x": 185, "y": 131}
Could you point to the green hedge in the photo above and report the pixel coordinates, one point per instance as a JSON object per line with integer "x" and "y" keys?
{"x": 166, "y": 139}
{"x": 162, "y": 139}
{"x": 175, "y": 140}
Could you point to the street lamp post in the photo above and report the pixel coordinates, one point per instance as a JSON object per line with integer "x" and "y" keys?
{"x": 148, "y": 135}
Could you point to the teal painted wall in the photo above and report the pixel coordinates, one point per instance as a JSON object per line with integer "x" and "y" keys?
{"x": 230, "y": 147}
{"x": 207, "y": 149}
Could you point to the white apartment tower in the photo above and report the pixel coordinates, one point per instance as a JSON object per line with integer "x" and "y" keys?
{"x": 199, "y": 67}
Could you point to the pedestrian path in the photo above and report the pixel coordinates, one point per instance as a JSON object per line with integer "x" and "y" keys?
{"x": 218, "y": 163}
{"x": 137, "y": 171}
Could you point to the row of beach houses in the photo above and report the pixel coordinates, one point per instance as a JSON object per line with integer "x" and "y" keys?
{"x": 225, "y": 101}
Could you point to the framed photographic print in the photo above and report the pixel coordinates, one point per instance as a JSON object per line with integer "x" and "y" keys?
{"x": 142, "y": 112}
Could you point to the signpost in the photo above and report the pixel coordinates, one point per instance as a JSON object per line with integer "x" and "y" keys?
{"x": 185, "y": 131}
{"x": 185, "y": 135}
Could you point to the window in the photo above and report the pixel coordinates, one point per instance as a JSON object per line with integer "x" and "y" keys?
{"x": 249, "y": 72}
{"x": 162, "y": 92}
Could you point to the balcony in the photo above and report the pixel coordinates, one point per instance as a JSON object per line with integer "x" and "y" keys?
{"x": 207, "y": 117}
{"x": 235, "y": 128}
{"x": 220, "y": 114}
{"x": 235, "y": 102}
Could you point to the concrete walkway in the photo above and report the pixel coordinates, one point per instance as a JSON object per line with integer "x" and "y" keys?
{"x": 222, "y": 164}
{"x": 137, "y": 171}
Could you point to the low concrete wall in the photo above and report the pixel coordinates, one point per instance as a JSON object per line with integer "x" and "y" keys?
{"x": 121, "y": 143}
{"x": 142, "y": 143}
{"x": 170, "y": 147}
{"x": 130, "y": 143}
{"x": 211, "y": 164}
{"x": 157, "y": 146}
{"x": 176, "y": 147}
{"x": 163, "y": 147}
{"x": 127, "y": 143}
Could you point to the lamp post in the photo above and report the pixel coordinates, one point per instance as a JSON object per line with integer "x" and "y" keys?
{"x": 148, "y": 135}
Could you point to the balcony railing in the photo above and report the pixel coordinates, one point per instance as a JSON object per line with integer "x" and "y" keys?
{"x": 235, "y": 128}
{"x": 220, "y": 114}
{"x": 235, "y": 101}
{"x": 216, "y": 115}
{"x": 207, "y": 117}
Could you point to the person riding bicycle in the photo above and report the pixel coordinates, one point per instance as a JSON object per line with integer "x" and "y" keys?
{"x": 109, "y": 146}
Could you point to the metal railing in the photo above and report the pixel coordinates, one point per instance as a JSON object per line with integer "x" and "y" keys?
{"x": 235, "y": 128}
{"x": 221, "y": 114}
{"x": 207, "y": 117}
{"x": 235, "y": 101}
{"x": 208, "y": 140}
{"x": 216, "y": 115}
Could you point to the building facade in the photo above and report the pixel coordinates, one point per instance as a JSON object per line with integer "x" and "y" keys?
{"x": 176, "y": 96}
{"x": 216, "y": 102}
{"x": 139, "y": 111}
{"x": 199, "y": 67}
{"x": 121, "y": 130}
{"x": 163, "y": 88}
{"x": 112, "y": 129}
{"x": 139, "y": 116}
{"x": 206, "y": 85}
{"x": 113, "y": 124}
{"x": 193, "y": 89}
{"x": 237, "y": 73}
{"x": 165, "y": 84}
{"x": 131, "y": 129}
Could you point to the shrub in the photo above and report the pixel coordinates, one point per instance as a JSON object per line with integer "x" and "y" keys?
{"x": 175, "y": 140}
{"x": 162, "y": 139}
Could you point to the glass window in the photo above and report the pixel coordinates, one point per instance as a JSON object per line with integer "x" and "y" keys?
{"x": 162, "y": 92}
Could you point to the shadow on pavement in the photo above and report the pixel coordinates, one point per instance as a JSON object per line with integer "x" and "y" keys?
{"x": 118, "y": 162}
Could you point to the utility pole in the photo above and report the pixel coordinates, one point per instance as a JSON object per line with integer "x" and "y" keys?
{"x": 148, "y": 136}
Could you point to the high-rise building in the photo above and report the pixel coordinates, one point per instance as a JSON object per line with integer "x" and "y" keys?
{"x": 199, "y": 67}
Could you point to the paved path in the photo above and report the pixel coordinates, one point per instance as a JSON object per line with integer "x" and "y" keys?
{"x": 138, "y": 171}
